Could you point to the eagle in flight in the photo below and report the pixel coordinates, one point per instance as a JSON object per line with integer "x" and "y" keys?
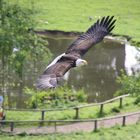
{"x": 72, "y": 57}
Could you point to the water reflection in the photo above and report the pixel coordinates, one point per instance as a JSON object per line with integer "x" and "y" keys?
{"x": 98, "y": 78}
{"x": 105, "y": 61}
{"x": 132, "y": 59}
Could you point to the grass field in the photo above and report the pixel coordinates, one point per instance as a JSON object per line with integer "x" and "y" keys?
{"x": 116, "y": 133}
{"x": 73, "y": 15}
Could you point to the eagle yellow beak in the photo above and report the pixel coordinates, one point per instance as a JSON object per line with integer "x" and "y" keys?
{"x": 85, "y": 62}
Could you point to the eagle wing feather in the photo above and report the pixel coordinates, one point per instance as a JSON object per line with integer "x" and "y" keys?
{"x": 92, "y": 36}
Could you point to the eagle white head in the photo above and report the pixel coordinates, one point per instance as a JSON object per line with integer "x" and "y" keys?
{"x": 81, "y": 62}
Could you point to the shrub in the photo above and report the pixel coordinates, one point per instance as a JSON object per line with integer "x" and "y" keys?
{"x": 137, "y": 101}
{"x": 60, "y": 97}
{"x": 115, "y": 109}
{"x": 129, "y": 84}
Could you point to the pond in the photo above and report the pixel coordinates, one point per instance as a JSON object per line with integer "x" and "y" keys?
{"x": 98, "y": 78}
{"x": 105, "y": 60}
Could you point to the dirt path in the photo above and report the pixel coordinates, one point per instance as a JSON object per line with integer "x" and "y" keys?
{"x": 77, "y": 126}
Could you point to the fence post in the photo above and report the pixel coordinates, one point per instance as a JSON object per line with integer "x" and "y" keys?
{"x": 101, "y": 109}
{"x": 55, "y": 128}
{"x": 120, "y": 102}
{"x": 124, "y": 120}
{"x": 77, "y": 113}
{"x": 95, "y": 126}
{"x": 11, "y": 126}
{"x": 42, "y": 115}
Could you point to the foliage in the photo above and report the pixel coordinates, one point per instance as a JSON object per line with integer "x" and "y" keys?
{"x": 137, "y": 101}
{"x": 19, "y": 45}
{"x": 17, "y": 36}
{"x": 129, "y": 85}
{"x": 60, "y": 97}
{"x": 116, "y": 109}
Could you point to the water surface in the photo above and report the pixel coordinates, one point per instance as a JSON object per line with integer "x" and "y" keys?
{"x": 105, "y": 61}
{"x": 98, "y": 78}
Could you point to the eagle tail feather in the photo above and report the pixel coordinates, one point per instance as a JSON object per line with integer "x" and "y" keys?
{"x": 46, "y": 82}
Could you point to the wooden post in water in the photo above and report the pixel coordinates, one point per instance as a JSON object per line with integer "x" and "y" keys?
{"x": 77, "y": 113}
{"x": 121, "y": 99}
{"x": 11, "y": 126}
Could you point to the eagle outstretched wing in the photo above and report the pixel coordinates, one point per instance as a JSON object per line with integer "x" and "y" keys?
{"x": 92, "y": 36}
{"x": 56, "y": 70}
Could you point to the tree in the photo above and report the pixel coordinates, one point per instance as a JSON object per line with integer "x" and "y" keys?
{"x": 19, "y": 44}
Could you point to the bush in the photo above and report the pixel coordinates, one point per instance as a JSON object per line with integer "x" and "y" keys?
{"x": 60, "y": 97}
{"x": 129, "y": 84}
{"x": 115, "y": 109}
{"x": 137, "y": 101}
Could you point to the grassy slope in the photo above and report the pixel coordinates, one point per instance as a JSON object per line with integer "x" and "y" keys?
{"x": 116, "y": 133}
{"x": 73, "y": 15}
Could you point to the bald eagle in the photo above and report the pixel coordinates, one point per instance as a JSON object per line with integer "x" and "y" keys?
{"x": 72, "y": 57}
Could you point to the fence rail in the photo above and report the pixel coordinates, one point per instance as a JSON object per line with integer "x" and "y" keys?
{"x": 58, "y": 123}
{"x": 76, "y": 108}
{"x": 105, "y": 102}
{"x": 55, "y": 122}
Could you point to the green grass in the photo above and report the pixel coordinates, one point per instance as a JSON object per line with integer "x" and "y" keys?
{"x": 85, "y": 113}
{"x": 73, "y": 15}
{"x": 116, "y": 133}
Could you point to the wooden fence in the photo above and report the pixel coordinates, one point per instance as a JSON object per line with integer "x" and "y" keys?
{"x": 57, "y": 122}
{"x": 77, "y": 108}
